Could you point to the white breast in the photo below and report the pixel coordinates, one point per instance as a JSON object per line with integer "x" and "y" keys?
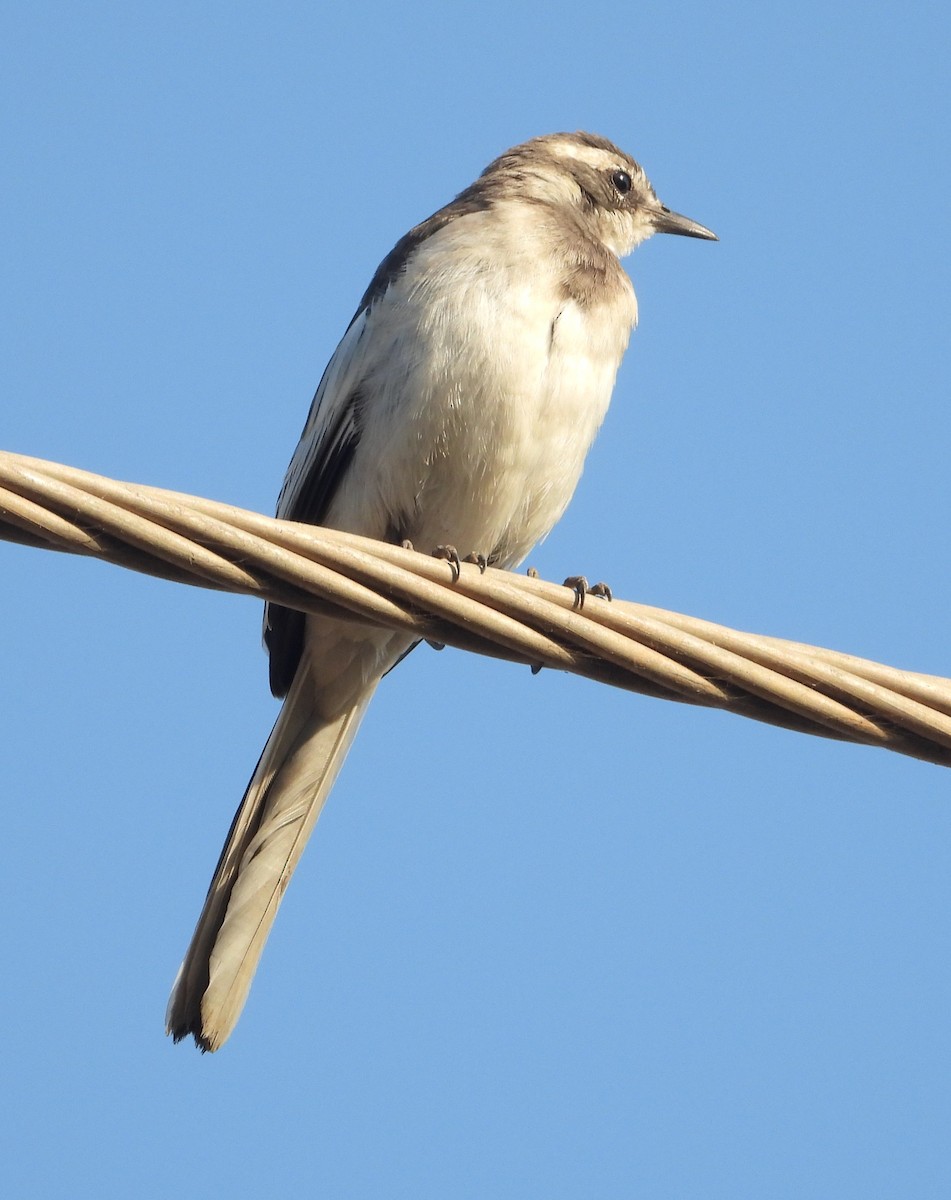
{"x": 484, "y": 391}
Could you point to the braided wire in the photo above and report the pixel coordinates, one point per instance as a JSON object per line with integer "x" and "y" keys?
{"x": 202, "y": 542}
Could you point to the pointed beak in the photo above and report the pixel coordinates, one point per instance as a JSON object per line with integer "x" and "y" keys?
{"x": 665, "y": 221}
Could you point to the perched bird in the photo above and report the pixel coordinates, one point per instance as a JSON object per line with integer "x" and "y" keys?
{"x": 457, "y": 411}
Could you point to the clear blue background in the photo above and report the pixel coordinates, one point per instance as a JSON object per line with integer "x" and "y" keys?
{"x": 550, "y": 940}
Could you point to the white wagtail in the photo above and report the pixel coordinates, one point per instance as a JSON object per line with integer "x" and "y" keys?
{"x": 457, "y": 410}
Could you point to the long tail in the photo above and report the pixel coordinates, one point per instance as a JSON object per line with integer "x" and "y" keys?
{"x": 274, "y": 820}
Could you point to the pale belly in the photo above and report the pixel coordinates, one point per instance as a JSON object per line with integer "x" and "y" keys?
{"x": 484, "y": 452}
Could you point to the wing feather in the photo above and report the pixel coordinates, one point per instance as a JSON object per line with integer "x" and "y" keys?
{"x": 320, "y": 462}
{"x": 332, "y": 430}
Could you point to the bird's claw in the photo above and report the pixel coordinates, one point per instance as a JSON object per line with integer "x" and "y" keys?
{"x": 581, "y": 588}
{"x": 478, "y": 560}
{"x": 451, "y": 555}
{"x": 579, "y": 585}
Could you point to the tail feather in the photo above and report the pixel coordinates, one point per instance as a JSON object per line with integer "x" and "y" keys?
{"x": 270, "y": 829}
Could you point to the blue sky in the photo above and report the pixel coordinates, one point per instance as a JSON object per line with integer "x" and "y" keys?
{"x": 549, "y": 940}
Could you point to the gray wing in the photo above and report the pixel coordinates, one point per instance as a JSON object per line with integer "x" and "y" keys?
{"x": 332, "y": 431}
{"x": 320, "y": 462}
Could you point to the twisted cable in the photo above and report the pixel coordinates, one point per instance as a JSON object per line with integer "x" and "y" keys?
{"x": 188, "y": 539}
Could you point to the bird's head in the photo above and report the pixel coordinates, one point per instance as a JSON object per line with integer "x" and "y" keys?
{"x": 587, "y": 177}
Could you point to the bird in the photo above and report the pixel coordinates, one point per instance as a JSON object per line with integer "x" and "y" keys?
{"x": 454, "y": 416}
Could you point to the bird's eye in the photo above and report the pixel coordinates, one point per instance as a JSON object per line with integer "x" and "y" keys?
{"x": 622, "y": 181}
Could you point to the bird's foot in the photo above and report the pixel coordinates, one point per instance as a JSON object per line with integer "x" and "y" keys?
{"x": 478, "y": 560}
{"x": 582, "y": 588}
{"x": 451, "y": 555}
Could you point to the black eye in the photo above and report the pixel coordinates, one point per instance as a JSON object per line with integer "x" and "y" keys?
{"x": 622, "y": 181}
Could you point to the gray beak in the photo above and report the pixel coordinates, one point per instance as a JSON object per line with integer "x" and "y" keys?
{"x": 665, "y": 221}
